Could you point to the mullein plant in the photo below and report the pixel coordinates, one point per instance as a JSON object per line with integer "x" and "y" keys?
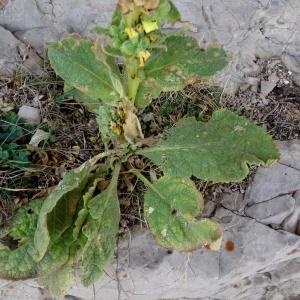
{"x": 121, "y": 71}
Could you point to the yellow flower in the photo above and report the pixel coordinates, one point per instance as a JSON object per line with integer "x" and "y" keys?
{"x": 144, "y": 55}
{"x": 131, "y": 32}
{"x": 150, "y": 26}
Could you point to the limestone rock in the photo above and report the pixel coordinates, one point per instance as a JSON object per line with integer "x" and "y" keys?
{"x": 273, "y": 211}
{"x": 9, "y": 52}
{"x": 290, "y": 224}
{"x": 272, "y": 182}
{"x": 290, "y": 153}
{"x": 234, "y": 201}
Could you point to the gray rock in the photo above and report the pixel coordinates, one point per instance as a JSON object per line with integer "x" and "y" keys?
{"x": 234, "y": 201}
{"x": 291, "y": 222}
{"x": 272, "y": 182}
{"x": 9, "y": 52}
{"x": 273, "y": 211}
{"x": 209, "y": 209}
{"x": 30, "y": 114}
{"x": 290, "y": 153}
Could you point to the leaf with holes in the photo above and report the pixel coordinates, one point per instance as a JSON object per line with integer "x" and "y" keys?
{"x": 170, "y": 207}
{"x": 18, "y": 262}
{"x": 218, "y": 150}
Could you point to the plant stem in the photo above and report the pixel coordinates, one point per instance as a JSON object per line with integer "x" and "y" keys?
{"x": 147, "y": 183}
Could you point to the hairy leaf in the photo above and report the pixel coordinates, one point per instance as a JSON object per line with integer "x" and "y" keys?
{"x": 170, "y": 207}
{"x": 58, "y": 210}
{"x": 91, "y": 104}
{"x": 83, "y": 213}
{"x": 18, "y": 262}
{"x": 59, "y": 282}
{"x": 100, "y": 230}
{"x": 218, "y": 150}
{"x": 74, "y": 60}
{"x": 180, "y": 63}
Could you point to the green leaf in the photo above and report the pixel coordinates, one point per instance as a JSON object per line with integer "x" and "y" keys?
{"x": 111, "y": 64}
{"x": 100, "y": 230}
{"x": 18, "y": 262}
{"x": 180, "y": 63}
{"x": 170, "y": 207}
{"x": 83, "y": 213}
{"x": 219, "y": 150}
{"x": 74, "y": 61}
{"x": 91, "y": 104}
{"x": 58, "y": 210}
{"x": 25, "y": 221}
{"x": 59, "y": 282}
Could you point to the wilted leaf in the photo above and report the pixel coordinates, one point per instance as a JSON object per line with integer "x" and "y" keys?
{"x": 132, "y": 128}
{"x": 58, "y": 210}
{"x": 170, "y": 207}
{"x": 100, "y": 230}
{"x": 74, "y": 60}
{"x": 182, "y": 63}
{"x": 218, "y": 150}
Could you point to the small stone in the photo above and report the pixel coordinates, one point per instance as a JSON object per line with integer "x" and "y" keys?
{"x": 39, "y": 136}
{"x": 273, "y": 211}
{"x": 30, "y": 115}
{"x": 268, "y": 86}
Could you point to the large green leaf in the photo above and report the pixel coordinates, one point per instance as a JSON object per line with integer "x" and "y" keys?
{"x": 180, "y": 63}
{"x": 58, "y": 211}
{"x": 218, "y": 150}
{"x": 170, "y": 207}
{"x": 74, "y": 60}
{"x": 100, "y": 230}
{"x": 18, "y": 262}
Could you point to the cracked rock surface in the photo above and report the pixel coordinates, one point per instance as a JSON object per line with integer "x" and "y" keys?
{"x": 259, "y": 258}
{"x": 248, "y": 30}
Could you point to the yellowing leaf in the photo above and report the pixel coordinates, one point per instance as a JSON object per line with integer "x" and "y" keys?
{"x": 149, "y": 26}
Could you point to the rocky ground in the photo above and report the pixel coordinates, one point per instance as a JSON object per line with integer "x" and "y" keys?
{"x": 260, "y": 255}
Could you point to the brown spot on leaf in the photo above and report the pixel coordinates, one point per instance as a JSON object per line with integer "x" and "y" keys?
{"x": 229, "y": 246}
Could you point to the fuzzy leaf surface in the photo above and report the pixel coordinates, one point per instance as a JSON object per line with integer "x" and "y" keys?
{"x": 170, "y": 209}
{"x": 19, "y": 263}
{"x": 100, "y": 230}
{"x": 58, "y": 210}
{"x": 74, "y": 60}
{"x": 219, "y": 150}
{"x": 180, "y": 63}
